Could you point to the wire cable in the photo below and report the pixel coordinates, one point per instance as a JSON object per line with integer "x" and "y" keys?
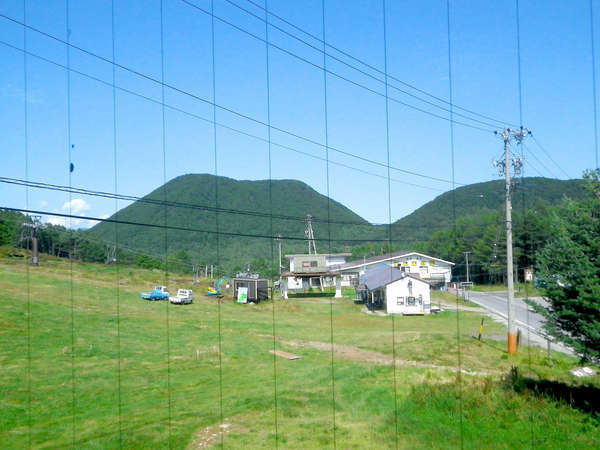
{"x": 227, "y": 109}
{"x": 337, "y": 75}
{"x": 362, "y": 72}
{"x": 389, "y": 195}
{"x": 375, "y": 69}
{"x": 273, "y": 328}
{"x": 214, "y": 103}
{"x": 27, "y": 268}
{"x": 550, "y": 157}
{"x": 458, "y": 349}
{"x": 165, "y": 216}
{"x": 70, "y": 157}
{"x": 326, "y": 131}
{"x": 593, "y": 51}
{"x": 116, "y": 227}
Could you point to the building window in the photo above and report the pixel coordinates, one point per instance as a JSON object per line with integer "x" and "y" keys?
{"x": 400, "y": 301}
{"x": 313, "y": 264}
{"x": 432, "y": 263}
{"x": 420, "y": 299}
{"x": 410, "y": 301}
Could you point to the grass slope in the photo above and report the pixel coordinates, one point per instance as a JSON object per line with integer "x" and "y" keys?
{"x": 148, "y": 374}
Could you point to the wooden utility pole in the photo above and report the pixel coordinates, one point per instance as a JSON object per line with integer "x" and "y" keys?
{"x": 505, "y": 167}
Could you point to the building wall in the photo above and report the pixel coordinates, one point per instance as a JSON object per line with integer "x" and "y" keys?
{"x": 426, "y": 268}
{"x": 397, "y": 297}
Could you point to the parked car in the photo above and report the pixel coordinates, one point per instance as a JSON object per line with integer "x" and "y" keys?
{"x": 159, "y": 293}
{"x": 183, "y": 297}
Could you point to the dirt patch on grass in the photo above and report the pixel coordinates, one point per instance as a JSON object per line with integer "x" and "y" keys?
{"x": 212, "y": 435}
{"x": 352, "y": 353}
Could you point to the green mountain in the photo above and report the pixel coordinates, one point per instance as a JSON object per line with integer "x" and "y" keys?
{"x": 242, "y": 220}
{"x": 482, "y": 199}
{"x": 200, "y": 205}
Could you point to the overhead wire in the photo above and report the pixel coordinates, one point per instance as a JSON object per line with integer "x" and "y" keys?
{"x": 541, "y": 147}
{"x": 595, "y": 98}
{"x": 337, "y": 75}
{"x": 389, "y": 197}
{"x": 220, "y": 124}
{"x": 165, "y": 216}
{"x": 326, "y": 132}
{"x": 271, "y": 231}
{"x": 224, "y": 108}
{"x": 70, "y": 203}
{"x": 458, "y": 347}
{"x": 362, "y": 72}
{"x": 215, "y": 155}
{"x": 116, "y": 227}
{"x": 27, "y": 269}
{"x": 375, "y": 69}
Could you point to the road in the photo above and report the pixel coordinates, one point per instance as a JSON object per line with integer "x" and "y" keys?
{"x": 525, "y": 318}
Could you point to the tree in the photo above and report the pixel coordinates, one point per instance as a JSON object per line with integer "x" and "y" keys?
{"x": 568, "y": 269}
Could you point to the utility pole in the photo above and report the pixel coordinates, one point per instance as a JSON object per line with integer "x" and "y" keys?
{"x": 34, "y": 225}
{"x": 310, "y": 235}
{"x": 279, "y": 239}
{"x": 467, "y": 258}
{"x": 505, "y": 167}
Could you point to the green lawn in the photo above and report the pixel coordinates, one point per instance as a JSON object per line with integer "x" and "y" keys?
{"x": 156, "y": 375}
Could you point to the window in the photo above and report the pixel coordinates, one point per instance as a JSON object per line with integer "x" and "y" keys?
{"x": 313, "y": 264}
{"x": 400, "y": 301}
{"x": 420, "y": 299}
{"x": 431, "y": 263}
{"x": 410, "y": 301}
{"x": 306, "y": 264}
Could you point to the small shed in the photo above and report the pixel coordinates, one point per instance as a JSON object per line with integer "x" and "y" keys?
{"x": 257, "y": 288}
{"x": 396, "y": 291}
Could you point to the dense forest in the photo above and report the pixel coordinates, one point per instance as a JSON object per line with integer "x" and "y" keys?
{"x": 470, "y": 218}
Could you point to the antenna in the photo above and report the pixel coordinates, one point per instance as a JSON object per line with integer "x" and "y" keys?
{"x": 310, "y": 235}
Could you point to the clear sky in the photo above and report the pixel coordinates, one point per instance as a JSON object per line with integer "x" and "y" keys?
{"x": 556, "y": 79}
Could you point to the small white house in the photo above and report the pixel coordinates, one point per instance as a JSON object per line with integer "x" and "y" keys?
{"x": 397, "y": 291}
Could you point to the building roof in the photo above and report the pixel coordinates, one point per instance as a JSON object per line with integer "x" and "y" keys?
{"x": 385, "y": 257}
{"x": 319, "y": 254}
{"x": 382, "y": 276}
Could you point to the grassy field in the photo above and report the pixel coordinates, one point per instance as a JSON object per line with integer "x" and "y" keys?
{"x": 88, "y": 365}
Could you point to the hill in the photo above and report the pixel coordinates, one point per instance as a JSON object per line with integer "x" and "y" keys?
{"x": 194, "y": 201}
{"x": 481, "y": 199}
{"x": 243, "y": 214}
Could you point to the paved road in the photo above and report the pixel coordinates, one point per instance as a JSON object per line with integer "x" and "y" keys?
{"x": 525, "y": 318}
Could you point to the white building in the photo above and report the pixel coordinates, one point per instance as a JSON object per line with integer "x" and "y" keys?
{"x": 313, "y": 270}
{"x": 434, "y": 270}
{"x": 396, "y": 291}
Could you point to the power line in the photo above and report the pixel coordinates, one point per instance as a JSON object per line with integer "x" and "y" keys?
{"x": 364, "y": 63}
{"x": 224, "y": 108}
{"x": 341, "y": 77}
{"x": 109, "y": 195}
{"x": 550, "y": 157}
{"x": 341, "y": 61}
{"x": 531, "y": 153}
{"x": 198, "y": 117}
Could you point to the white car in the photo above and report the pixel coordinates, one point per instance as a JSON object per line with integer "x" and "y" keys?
{"x": 183, "y": 297}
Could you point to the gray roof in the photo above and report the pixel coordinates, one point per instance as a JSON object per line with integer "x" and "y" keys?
{"x": 382, "y": 276}
{"x": 381, "y": 258}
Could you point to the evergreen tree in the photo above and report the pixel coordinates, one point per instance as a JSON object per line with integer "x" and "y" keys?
{"x": 568, "y": 270}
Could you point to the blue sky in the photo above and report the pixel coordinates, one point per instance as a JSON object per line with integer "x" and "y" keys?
{"x": 556, "y": 77}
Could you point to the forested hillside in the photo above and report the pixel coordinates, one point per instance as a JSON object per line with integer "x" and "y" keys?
{"x": 214, "y": 220}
